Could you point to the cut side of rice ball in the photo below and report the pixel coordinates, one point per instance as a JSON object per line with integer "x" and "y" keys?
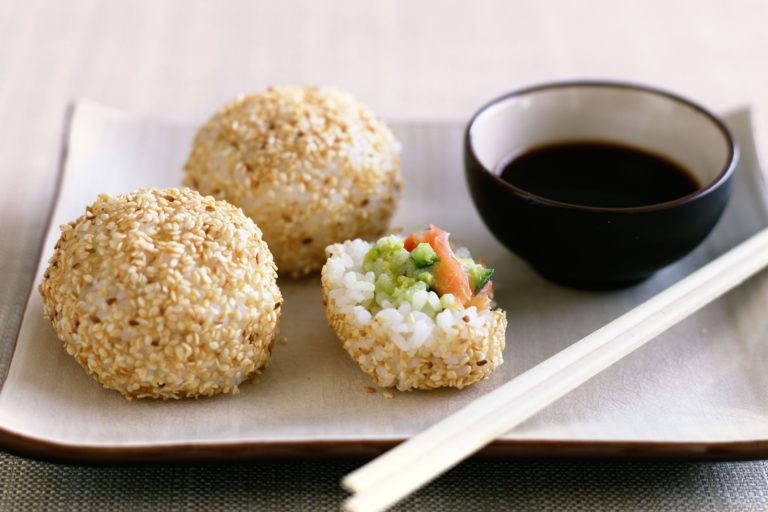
{"x": 412, "y": 312}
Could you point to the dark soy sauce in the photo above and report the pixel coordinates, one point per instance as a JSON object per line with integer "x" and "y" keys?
{"x": 599, "y": 174}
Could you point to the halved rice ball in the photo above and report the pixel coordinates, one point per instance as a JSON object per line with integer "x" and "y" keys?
{"x": 311, "y": 165}
{"x": 164, "y": 293}
{"x": 390, "y": 310}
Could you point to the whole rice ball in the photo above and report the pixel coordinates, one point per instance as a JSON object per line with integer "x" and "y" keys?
{"x": 311, "y": 165}
{"x": 164, "y": 293}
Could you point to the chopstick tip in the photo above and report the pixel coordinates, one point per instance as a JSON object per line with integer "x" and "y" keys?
{"x": 352, "y": 504}
{"x": 348, "y": 483}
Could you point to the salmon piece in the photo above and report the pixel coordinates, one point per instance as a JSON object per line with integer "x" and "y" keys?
{"x": 482, "y": 300}
{"x": 449, "y": 274}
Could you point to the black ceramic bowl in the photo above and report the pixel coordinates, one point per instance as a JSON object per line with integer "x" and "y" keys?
{"x": 598, "y": 247}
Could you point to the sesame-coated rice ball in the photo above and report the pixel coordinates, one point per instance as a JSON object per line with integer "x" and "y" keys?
{"x": 164, "y": 294}
{"x": 311, "y": 165}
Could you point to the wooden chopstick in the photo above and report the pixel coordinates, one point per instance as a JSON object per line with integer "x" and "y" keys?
{"x": 417, "y": 461}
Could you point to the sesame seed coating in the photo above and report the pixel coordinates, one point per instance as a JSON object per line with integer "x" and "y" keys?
{"x": 311, "y": 165}
{"x": 164, "y": 294}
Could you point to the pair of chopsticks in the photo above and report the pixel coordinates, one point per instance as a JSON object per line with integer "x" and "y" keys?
{"x": 412, "y": 464}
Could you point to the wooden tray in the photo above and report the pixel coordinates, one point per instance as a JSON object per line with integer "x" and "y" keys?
{"x": 699, "y": 390}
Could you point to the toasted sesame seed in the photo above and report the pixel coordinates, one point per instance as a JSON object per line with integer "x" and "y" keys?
{"x": 306, "y": 163}
{"x": 162, "y": 287}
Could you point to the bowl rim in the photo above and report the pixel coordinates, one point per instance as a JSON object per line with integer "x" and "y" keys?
{"x": 706, "y": 189}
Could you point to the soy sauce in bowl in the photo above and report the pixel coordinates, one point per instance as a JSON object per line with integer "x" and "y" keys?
{"x": 597, "y": 174}
{"x": 585, "y": 212}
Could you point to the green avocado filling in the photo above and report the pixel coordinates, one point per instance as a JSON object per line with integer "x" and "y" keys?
{"x": 401, "y": 274}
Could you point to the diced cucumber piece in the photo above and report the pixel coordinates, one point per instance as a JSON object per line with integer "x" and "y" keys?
{"x": 423, "y": 255}
{"x": 426, "y": 277}
{"x": 479, "y": 277}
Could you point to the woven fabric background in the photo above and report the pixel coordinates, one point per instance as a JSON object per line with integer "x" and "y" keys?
{"x": 475, "y": 486}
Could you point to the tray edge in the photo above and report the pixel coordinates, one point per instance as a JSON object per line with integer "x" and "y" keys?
{"x": 538, "y": 449}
